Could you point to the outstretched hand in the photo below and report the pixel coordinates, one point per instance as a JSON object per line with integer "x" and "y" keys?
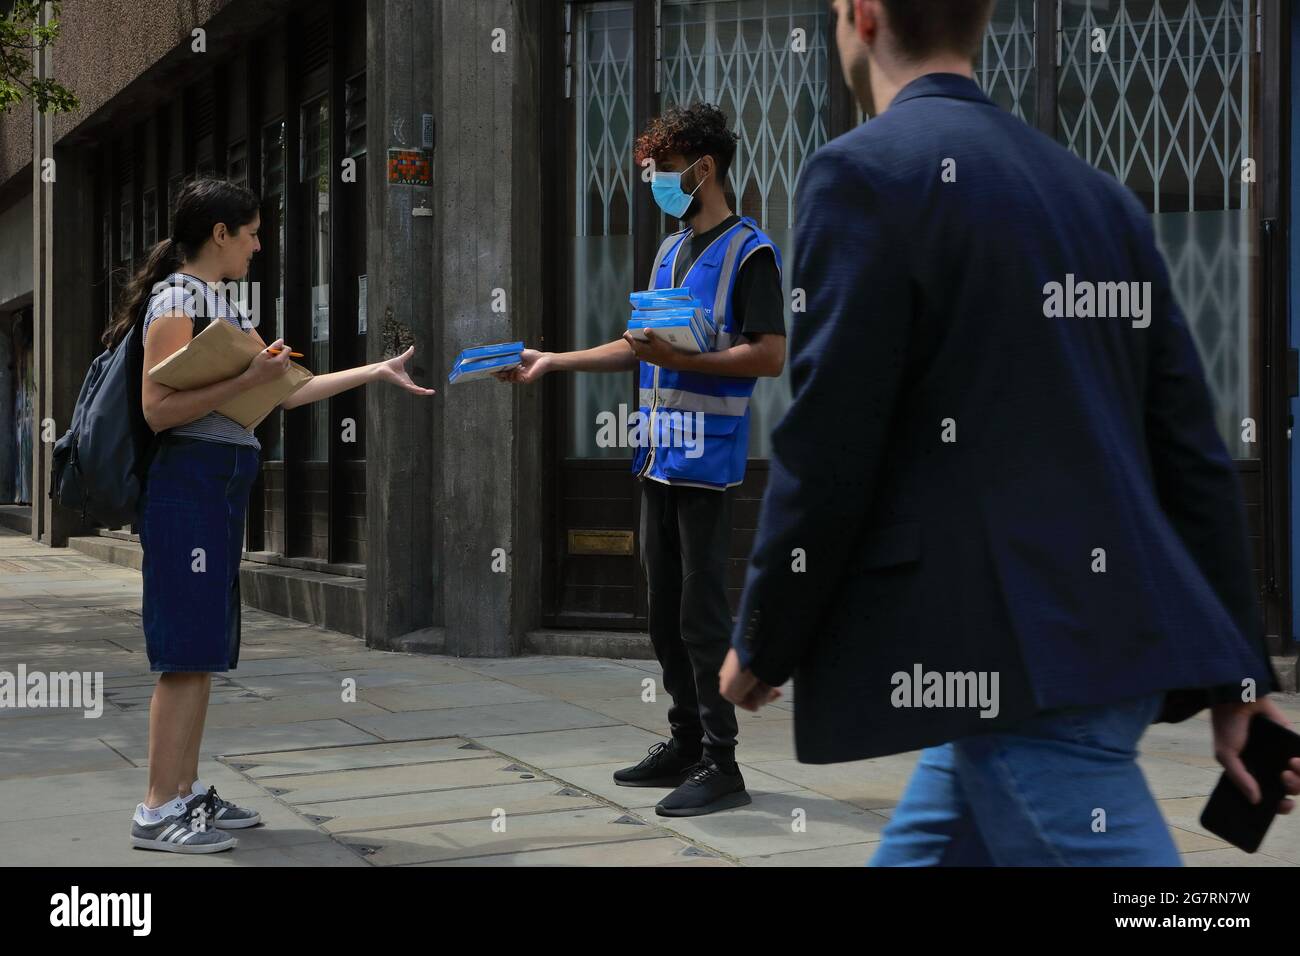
{"x": 394, "y": 372}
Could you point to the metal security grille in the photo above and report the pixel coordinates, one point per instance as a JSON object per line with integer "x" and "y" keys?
{"x": 1158, "y": 93}
{"x": 763, "y": 63}
{"x": 1005, "y": 67}
{"x": 602, "y": 83}
{"x": 604, "y": 117}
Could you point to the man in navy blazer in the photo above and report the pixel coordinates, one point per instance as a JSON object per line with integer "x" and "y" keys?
{"x": 1000, "y": 522}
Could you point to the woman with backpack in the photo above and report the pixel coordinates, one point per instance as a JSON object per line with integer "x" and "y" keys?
{"x": 195, "y": 496}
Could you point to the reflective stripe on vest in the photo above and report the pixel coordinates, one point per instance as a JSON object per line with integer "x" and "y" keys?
{"x": 695, "y": 402}
{"x": 664, "y": 248}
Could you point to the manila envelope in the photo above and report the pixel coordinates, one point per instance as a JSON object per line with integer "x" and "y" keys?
{"x": 219, "y": 352}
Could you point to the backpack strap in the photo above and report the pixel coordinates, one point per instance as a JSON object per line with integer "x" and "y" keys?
{"x": 199, "y": 323}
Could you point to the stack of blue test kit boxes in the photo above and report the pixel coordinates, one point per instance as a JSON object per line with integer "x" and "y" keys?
{"x": 675, "y": 315}
{"x": 485, "y": 360}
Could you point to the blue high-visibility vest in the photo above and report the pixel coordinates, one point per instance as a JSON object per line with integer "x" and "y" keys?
{"x": 697, "y": 425}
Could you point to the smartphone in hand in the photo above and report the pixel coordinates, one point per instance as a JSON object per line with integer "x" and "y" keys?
{"x": 1269, "y": 748}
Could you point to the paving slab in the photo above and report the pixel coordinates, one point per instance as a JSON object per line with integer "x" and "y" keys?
{"x": 769, "y": 825}
{"x": 252, "y": 740}
{"x": 573, "y": 748}
{"x": 868, "y": 784}
{"x": 487, "y": 771}
{"x": 102, "y": 838}
{"x": 516, "y": 666}
{"x": 1231, "y": 857}
{"x": 271, "y": 765}
{"x": 277, "y": 666}
{"x": 1184, "y": 814}
{"x": 528, "y": 717}
{"x": 850, "y": 854}
{"x": 33, "y": 798}
{"x": 69, "y": 757}
{"x": 328, "y": 853}
{"x": 653, "y": 715}
{"x": 444, "y": 806}
{"x": 467, "y": 693}
{"x": 433, "y": 670}
{"x": 289, "y": 685}
{"x": 1169, "y": 779}
{"x": 523, "y": 833}
{"x": 255, "y": 712}
{"x": 655, "y": 852}
{"x": 620, "y": 681}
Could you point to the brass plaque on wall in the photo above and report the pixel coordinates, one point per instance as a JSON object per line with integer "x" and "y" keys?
{"x": 600, "y": 542}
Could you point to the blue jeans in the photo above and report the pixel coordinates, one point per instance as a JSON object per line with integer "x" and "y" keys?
{"x": 1062, "y": 789}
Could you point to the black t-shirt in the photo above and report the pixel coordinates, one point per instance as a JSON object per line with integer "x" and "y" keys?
{"x": 757, "y": 301}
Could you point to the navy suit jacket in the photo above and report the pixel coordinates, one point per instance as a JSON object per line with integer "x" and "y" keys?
{"x": 965, "y": 483}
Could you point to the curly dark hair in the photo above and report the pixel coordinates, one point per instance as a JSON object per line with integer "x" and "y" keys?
{"x": 694, "y": 131}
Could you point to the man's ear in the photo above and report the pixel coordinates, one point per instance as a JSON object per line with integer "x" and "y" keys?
{"x": 866, "y": 19}
{"x": 708, "y": 168}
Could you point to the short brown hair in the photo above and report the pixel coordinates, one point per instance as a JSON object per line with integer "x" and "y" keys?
{"x": 926, "y": 27}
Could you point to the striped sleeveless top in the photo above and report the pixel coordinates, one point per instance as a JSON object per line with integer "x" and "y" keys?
{"x": 180, "y": 292}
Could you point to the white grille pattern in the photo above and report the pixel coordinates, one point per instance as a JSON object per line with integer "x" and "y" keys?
{"x": 1166, "y": 109}
{"x": 604, "y": 119}
{"x": 1208, "y": 255}
{"x": 602, "y": 248}
{"x": 1005, "y": 68}
{"x": 746, "y": 57}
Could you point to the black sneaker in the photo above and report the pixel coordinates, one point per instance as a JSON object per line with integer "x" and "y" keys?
{"x": 708, "y": 789}
{"x": 664, "y": 766}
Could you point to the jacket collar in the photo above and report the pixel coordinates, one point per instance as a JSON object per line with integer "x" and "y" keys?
{"x": 941, "y": 84}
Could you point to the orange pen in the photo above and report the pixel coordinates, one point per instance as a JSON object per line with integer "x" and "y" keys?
{"x": 291, "y": 354}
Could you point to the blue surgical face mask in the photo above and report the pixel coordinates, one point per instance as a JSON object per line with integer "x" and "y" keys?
{"x": 667, "y": 189}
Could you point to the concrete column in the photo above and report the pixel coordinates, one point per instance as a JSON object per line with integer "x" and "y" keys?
{"x": 454, "y": 493}
{"x": 403, "y": 439}
{"x": 488, "y": 217}
{"x": 65, "y": 336}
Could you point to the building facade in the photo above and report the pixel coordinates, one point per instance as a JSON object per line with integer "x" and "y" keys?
{"x": 444, "y": 173}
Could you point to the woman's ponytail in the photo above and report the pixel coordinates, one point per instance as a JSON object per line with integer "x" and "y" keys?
{"x": 202, "y": 204}
{"x": 163, "y": 260}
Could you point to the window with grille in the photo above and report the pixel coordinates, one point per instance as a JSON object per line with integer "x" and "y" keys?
{"x": 1161, "y": 94}
{"x": 764, "y": 64}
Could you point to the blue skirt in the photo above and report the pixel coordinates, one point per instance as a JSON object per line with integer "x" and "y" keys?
{"x": 192, "y": 532}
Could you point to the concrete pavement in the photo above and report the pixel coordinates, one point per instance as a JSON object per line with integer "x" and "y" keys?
{"x": 435, "y": 760}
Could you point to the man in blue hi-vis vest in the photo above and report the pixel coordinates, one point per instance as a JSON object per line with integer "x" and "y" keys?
{"x": 691, "y": 441}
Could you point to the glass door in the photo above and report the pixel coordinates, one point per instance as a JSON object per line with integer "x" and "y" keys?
{"x": 764, "y": 63}
{"x": 596, "y": 571}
